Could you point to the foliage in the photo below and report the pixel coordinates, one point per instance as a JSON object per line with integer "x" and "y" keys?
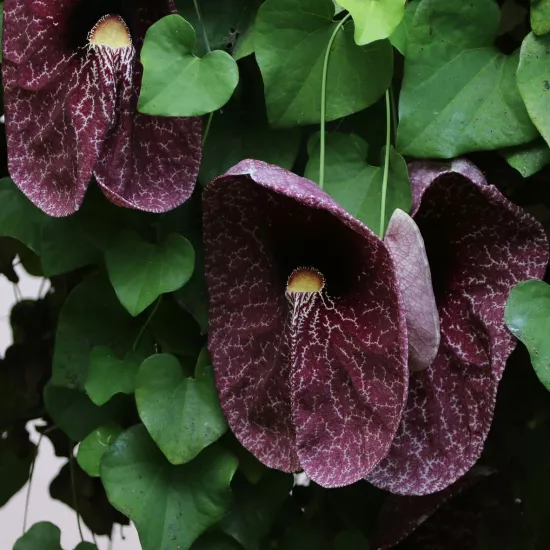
{"x": 110, "y": 363}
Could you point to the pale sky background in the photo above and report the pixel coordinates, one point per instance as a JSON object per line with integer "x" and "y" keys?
{"x": 42, "y": 507}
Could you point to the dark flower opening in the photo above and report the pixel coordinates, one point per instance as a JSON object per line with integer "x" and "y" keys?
{"x": 85, "y": 15}
{"x": 299, "y": 236}
{"x": 313, "y": 380}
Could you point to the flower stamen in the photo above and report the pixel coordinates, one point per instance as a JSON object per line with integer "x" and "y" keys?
{"x": 305, "y": 279}
{"x": 110, "y": 31}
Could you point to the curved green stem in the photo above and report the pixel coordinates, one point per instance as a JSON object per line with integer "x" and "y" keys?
{"x": 146, "y": 324}
{"x": 324, "y": 101}
{"x": 31, "y": 475}
{"x": 73, "y": 488}
{"x": 386, "y": 166}
{"x": 204, "y": 35}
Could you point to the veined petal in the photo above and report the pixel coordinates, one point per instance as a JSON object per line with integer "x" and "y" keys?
{"x": 479, "y": 246}
{"x": 324, "y": 391}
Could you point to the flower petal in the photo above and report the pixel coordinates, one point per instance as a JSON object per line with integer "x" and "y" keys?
{"x": 348, "y": 358}
{"x": 406, "y": 247}
{"x": 70, "y": 113}
{"x": 479, "y": 246}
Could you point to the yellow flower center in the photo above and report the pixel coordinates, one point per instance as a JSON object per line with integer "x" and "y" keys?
{"x": 111, "y": 31}
{"x": 305, "y": 279}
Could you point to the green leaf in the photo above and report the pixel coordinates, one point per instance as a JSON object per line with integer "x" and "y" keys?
{"x": 226, "y": 24}
{"x": 170, "y": 505}
{"x": 75, "y": 488}
{"x": 540, "y": 16}
{"x": 175, "y": 330}
{"x": 16, "y": 456}
{"x": 303, "y": 535}
{"x": 351, "y": 539}
{"x": 534, "y": 81}
{"x": 60, "y": 242}
{"x": 175, "y": 81}
{"x": 356, "y": 185}
{"x": 247, "y": 130}
{"x": 459, "y": 93}
{"x": 76, "y": 415}
{"x": 527, "y": 316}
{"x": 85, "y": 546}
{"x": 528, "y": 159}
{"x": 216, "y": 541}
{"x": 400, "y": 35}
{"x": 94, "y": 446}
{"x": 255, "y": 507}
{"x": 291, "y": 39}
{"x": 41, "y": 536}
{"x": 140, "y": 272}
{"x": 374, "y": 19}
{"x": 92, "y": 316}
{"x": 109, "y": 375}
{"x": 183, "y": 415}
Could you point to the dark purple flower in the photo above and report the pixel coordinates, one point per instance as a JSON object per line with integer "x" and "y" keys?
{"x": 307, "y": 333}
{"x": 71, "y": 83}
{"x": 479, "y": 246}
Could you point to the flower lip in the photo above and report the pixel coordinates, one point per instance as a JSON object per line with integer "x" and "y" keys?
{"x": 305, "y": 280}
{"x": 110, "y": 31}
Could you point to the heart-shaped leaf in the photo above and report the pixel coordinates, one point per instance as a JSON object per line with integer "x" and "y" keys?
{"x": 459, "y": 93}
{"x": 76, "y": 415}
{"x": 356, "y": 185}
{"x": 527, "y": 316}
{"x": 175, "y": 81}
{"x": 528, "y": 159}
{"x": 94, "y": 446}
{"x": 534, "y": 80}
{"x": 291, "y": 39}
{"x": 182, "y": 414}
{"x": 41, "y": 536}
{"x": 540, "y": 16}
{"x": 374, "y": 19}
{"x": 170, "y": 505}
{"x": 109, "y": 375}
{"x": 140, "y": 272}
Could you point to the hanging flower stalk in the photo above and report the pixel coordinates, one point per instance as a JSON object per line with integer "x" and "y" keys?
{"x": 307, "y": 330}
{"x": 71, "y": 84}
{"x": 479, "y": 245}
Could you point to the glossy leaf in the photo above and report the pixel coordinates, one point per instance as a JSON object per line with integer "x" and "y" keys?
{"x": 246, "y": 128}
{"x": 175, "y": 81}
{"x": 75, "y": 414}
{"x": 41, "y": 536}
{"x": 170, "y": 505}
{"x": 356, "y": 185}
{"x": 528, "y": 318}
{"x": 459, "y": 93}
{"x": 528, "y": 159}
{"x": 540, "y": 16}
{"x": 140, "y": 272}
{"x": 92, "y": 316}
{"x": 255, "y": 508}
{"x": 374, "y": 19}
{"x": 534, "y": 81}
{"x": 291, "y": 35}
{"x": 60, "y": 242}
{"x": 182, "y": 415}
{"x": 94, "y": 446}
{"x": 109, "y": 375}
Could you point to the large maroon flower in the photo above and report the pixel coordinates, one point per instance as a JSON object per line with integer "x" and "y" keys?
{"x": 479, "y": 245}
{"x": 307, "y": 333}
{"x": 71, "y": 82}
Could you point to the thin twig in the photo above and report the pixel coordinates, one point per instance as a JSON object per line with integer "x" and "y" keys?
{"x": 31, "y": 474}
